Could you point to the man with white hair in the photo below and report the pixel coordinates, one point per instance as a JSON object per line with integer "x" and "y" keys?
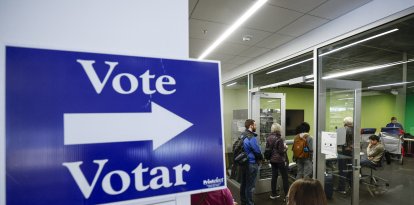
{"x": 346, "y": 150}
{"x": 349, "y": 139}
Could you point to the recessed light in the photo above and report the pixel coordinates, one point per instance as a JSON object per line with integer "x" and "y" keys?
{"x": 256, "y": 6}
{"x": 247, "y": 37}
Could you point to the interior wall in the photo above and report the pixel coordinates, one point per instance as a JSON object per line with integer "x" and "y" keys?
{"x": 377, "y": 110}
{"x": 156, "y": 28}
{"x": 409, "y": 114}
{"x": 233, "y": 99}
{"x": 298, "y": 99}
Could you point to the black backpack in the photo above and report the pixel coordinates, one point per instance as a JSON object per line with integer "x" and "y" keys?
{"x": 239, "y": 155}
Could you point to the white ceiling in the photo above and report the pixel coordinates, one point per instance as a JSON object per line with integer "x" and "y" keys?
{"x": 275, "y": 24}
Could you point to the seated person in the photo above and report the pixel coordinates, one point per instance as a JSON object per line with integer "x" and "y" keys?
{"x": 394, "y": 123}
{"x": 375, "y": 150}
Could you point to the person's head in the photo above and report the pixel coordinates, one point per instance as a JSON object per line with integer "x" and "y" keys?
{"x": 276, "y": 128}
{"x": 348, "y": 122}
{"x": 303, "y": 128}
{"x": 394, "y": 120}
{"x": 250, "y": 125}
{"x": 306, "y": 192}
{"x": 373, "y": 139}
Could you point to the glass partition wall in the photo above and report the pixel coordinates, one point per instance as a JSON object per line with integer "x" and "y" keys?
{"x": 368, "y": 78}
{"x": 294, "y": 79}
{"x": 283, "y": 94}
{"x": 235, "y": 112}
{"x": 363, "y": 81}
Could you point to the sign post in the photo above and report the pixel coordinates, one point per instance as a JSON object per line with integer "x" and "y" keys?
{"x": 87, "y": 128}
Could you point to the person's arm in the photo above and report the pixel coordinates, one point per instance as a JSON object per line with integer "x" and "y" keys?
{"x": 309, "y": 141}
{"x": 255, "y": 147}
{"x": 268, "y": 141}
{"x": 280, "y": 146}
{"x": 376, "y": 151}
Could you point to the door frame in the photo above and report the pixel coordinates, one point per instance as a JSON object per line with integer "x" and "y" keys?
{"x": 263, "y": 185}
{"x": 355, "y": 87}
{"x": 255, "y": 108}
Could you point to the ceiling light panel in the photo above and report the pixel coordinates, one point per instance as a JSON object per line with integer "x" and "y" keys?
{"x": 233, "y": 27}
{"x": 389, "y": 85}
{"x": 288, "y": 66}
{"x": 360, "y": 41}
{"x": 365, "y": 69}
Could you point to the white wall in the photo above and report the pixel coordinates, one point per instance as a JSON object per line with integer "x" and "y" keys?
{"x": 153, "y": 28}
{"x": 156, "y": 28}
{"x": 371, "y": 12}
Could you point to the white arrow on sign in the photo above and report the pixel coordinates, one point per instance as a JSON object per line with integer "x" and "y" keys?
{"x": 160, "y": 126}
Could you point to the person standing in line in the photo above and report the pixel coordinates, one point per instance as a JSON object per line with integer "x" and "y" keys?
{"x": 347, "y": 150}
{"x": 278, "y": 159}
{"x": 303, "y": 158}
{"x": 306, "y": 191}
{"x": 249, "y": 171}
{"x": 348, "y": 147}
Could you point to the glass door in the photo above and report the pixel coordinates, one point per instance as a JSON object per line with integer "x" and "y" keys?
{"x": 338, "y": 155}
{"x": 266, "y": 109}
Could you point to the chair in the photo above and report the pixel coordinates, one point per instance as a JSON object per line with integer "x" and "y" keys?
{"x": 375, "y": 184}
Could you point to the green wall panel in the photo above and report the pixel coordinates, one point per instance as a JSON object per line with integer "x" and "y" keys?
{"x": 377, "y": 110}
{"x": 409, "y": 114}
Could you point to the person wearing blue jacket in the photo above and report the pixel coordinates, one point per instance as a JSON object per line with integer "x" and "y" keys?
{"x": 394, "y": 123}
{"x": 249, "y": 171}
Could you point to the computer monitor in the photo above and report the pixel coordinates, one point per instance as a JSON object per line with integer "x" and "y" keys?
{"x": 368, "y": 131}
{"x": 392, "y": 130}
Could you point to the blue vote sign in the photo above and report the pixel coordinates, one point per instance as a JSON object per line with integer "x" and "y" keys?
{"x": 88, "y": 128}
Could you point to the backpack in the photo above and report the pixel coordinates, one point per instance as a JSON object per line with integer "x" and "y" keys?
{"x": 239, "y": 155}
{"x": 300, "y": 147}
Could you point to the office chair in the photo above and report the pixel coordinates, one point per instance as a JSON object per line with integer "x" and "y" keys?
{"x": 375, "y": 184}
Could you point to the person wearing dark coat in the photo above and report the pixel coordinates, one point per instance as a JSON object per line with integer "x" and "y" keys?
{"x": 278, "y": 159}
